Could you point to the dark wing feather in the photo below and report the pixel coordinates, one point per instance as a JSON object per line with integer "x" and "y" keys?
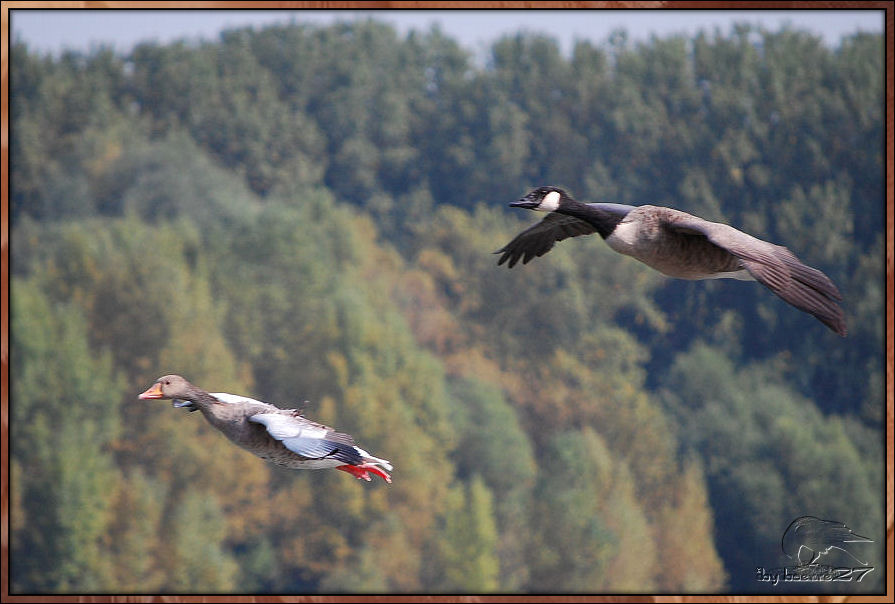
{"x": 314, "y": 448}
{"x": 539, "y": 238}
{"x": 773, "y": 266}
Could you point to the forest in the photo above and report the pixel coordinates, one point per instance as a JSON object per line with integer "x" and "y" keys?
{"x": 309, "y": 213}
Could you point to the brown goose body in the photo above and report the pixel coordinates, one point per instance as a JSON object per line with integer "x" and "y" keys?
{"x": 234, "y": 420}
{"x": 647, "y": 234}
{"x": 280, "y": 436}
{"x": 679, "y": 245}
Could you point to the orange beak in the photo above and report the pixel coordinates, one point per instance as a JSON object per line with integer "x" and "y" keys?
{"x": 154, "y": 391}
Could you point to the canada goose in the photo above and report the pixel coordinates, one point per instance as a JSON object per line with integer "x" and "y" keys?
{"x": 281, "y": 436}
{"x": 676, "y": 244}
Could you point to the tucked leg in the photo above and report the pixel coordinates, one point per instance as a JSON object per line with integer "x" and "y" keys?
{"x": 361, "y": 472}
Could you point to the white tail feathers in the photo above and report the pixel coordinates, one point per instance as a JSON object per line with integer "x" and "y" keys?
{"x": 386, "y": 465}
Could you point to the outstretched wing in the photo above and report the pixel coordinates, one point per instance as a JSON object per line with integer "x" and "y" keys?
{"x": 773, "y": 266}
{"x": 235, "y": 399}
{"x": 539, "y": 238}
{"x": 309, "y": 439}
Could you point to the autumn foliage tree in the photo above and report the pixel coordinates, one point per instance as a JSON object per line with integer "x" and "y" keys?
{"x": 307, "y": 215}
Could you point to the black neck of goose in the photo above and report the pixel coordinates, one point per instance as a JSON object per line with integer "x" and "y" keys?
{"x": 602, "y": 220}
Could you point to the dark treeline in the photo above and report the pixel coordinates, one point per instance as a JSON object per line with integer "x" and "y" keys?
{"x": 308, "y": 213}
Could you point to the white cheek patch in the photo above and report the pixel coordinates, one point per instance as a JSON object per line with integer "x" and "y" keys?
{"x": 550, "y": 202}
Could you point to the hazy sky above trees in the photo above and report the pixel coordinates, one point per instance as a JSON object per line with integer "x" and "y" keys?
{"x": 55, "y": 30}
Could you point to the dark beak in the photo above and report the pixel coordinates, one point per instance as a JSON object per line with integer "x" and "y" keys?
{"x": 526, "y": 202}
{"x": 154, "y": 391}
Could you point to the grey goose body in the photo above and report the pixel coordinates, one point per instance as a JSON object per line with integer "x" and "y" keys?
{"x": 678, "y": 245}
{"x": 280, "y": 436}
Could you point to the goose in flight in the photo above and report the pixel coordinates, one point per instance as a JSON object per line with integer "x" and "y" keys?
{"x": 281, "y": 436}
{"x": 679, "y": 245}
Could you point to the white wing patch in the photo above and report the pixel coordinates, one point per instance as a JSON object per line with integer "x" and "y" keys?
{"x": 624, "y": 238}
{"x": 233, "y": 399}
{"x": 282, "y": 427}
{"x": 306, "y": 441}
{"x": 742, "y": 275}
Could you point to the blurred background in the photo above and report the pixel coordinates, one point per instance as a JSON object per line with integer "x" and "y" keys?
{"x": 302, "y": 205}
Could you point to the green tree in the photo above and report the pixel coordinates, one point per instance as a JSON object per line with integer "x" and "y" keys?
{"x": 770, "y": 457}
{"x": 194, "y": 557}
{"x": 465, "y": 547}
{"x": 584, "y": 508}
{"x": 494, "y": 447}
{"x": 308, "y": 213}
{"x": 64, "y": 422}
{"x": 136, "y": 534}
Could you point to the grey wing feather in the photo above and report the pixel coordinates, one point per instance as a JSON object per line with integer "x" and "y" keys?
{"x": 315, "y": 448}
{"x": 331, "y": 434}
{"x": 539, "y": 238}
{"x": 773, "y": 266}
{"x": 308, "y": 439}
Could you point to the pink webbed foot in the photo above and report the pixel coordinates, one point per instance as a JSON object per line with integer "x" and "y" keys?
{"x": 361, "y": 472}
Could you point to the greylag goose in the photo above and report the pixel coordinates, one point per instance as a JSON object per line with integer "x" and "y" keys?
{"x": 281, "y": 436}
{"x": 679, "y": 245}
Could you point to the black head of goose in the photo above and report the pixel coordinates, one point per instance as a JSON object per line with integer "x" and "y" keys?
{"x": 281, "y": 436}
{"x": 678, "y": 245}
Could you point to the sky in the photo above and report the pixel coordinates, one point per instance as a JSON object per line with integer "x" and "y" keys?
{"x": 56, "y": 30}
